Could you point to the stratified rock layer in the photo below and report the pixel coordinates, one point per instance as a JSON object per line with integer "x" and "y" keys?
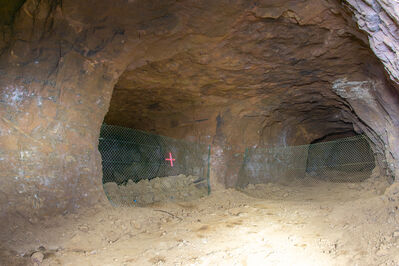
{"x": 380, "y": 20}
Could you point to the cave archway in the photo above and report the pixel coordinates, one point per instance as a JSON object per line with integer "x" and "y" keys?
{"x": 261, "y": 89}
{"x": 236, "y": 74}
{"x": 209, "y": 76}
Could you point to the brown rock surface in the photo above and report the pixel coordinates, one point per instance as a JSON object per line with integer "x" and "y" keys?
{"x": 380, "y": 20}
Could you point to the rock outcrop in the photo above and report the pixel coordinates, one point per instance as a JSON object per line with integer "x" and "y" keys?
{"x": 380, "y": 20}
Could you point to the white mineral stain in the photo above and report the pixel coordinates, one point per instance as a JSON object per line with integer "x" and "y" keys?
{"x": 354, "y": 90}
{"x": 14, "y": 95}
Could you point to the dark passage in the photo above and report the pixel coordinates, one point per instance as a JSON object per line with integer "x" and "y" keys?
{"x": 346, "y": 159}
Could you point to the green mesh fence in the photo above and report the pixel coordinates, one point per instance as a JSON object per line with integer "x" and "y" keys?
{"x": 344, "y": 160}
{"x": 141, "y": 168}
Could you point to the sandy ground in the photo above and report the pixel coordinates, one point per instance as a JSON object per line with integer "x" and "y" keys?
{"x": 306, "y": 223}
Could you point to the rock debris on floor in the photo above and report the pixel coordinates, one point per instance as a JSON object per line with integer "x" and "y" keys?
{"x": 159, "y": 189}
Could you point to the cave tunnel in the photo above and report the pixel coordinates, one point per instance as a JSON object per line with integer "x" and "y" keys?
{"x": 199, "y": 132}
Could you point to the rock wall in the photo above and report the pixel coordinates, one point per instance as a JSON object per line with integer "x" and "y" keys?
{"x": 231, "y": 73}
{"x": 380, "y": 20}
{"x": 53, "y": 100}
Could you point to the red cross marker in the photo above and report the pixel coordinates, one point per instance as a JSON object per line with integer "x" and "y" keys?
{"x": 170, "y": 159}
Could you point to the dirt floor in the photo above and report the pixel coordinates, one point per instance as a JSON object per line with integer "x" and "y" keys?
{"x": 305, "y": 223}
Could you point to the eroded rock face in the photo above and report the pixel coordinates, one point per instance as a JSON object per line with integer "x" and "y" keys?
{"x": 231, "y": 73}
{"x": 380, "y": 19}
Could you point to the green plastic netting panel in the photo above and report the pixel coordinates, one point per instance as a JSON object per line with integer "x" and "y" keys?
{"x": 141, "y": 168}
{"x": 344, "y": 160}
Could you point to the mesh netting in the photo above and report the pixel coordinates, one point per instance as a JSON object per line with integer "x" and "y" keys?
{"x": 141, "y": 168}
{"x": 344, "y": 160}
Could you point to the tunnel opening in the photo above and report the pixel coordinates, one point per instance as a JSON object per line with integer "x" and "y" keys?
{"x": 331, "y": 166}
{"x": 306, "y": 132}
{"x": 122, "y": 148}
{"x": 141, "y": 168}
{"x": 335, "y": 155}
{"x": 345, "y": 157}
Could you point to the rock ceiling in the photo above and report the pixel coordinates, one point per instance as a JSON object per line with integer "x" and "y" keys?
{"x": 275, "y": 61}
